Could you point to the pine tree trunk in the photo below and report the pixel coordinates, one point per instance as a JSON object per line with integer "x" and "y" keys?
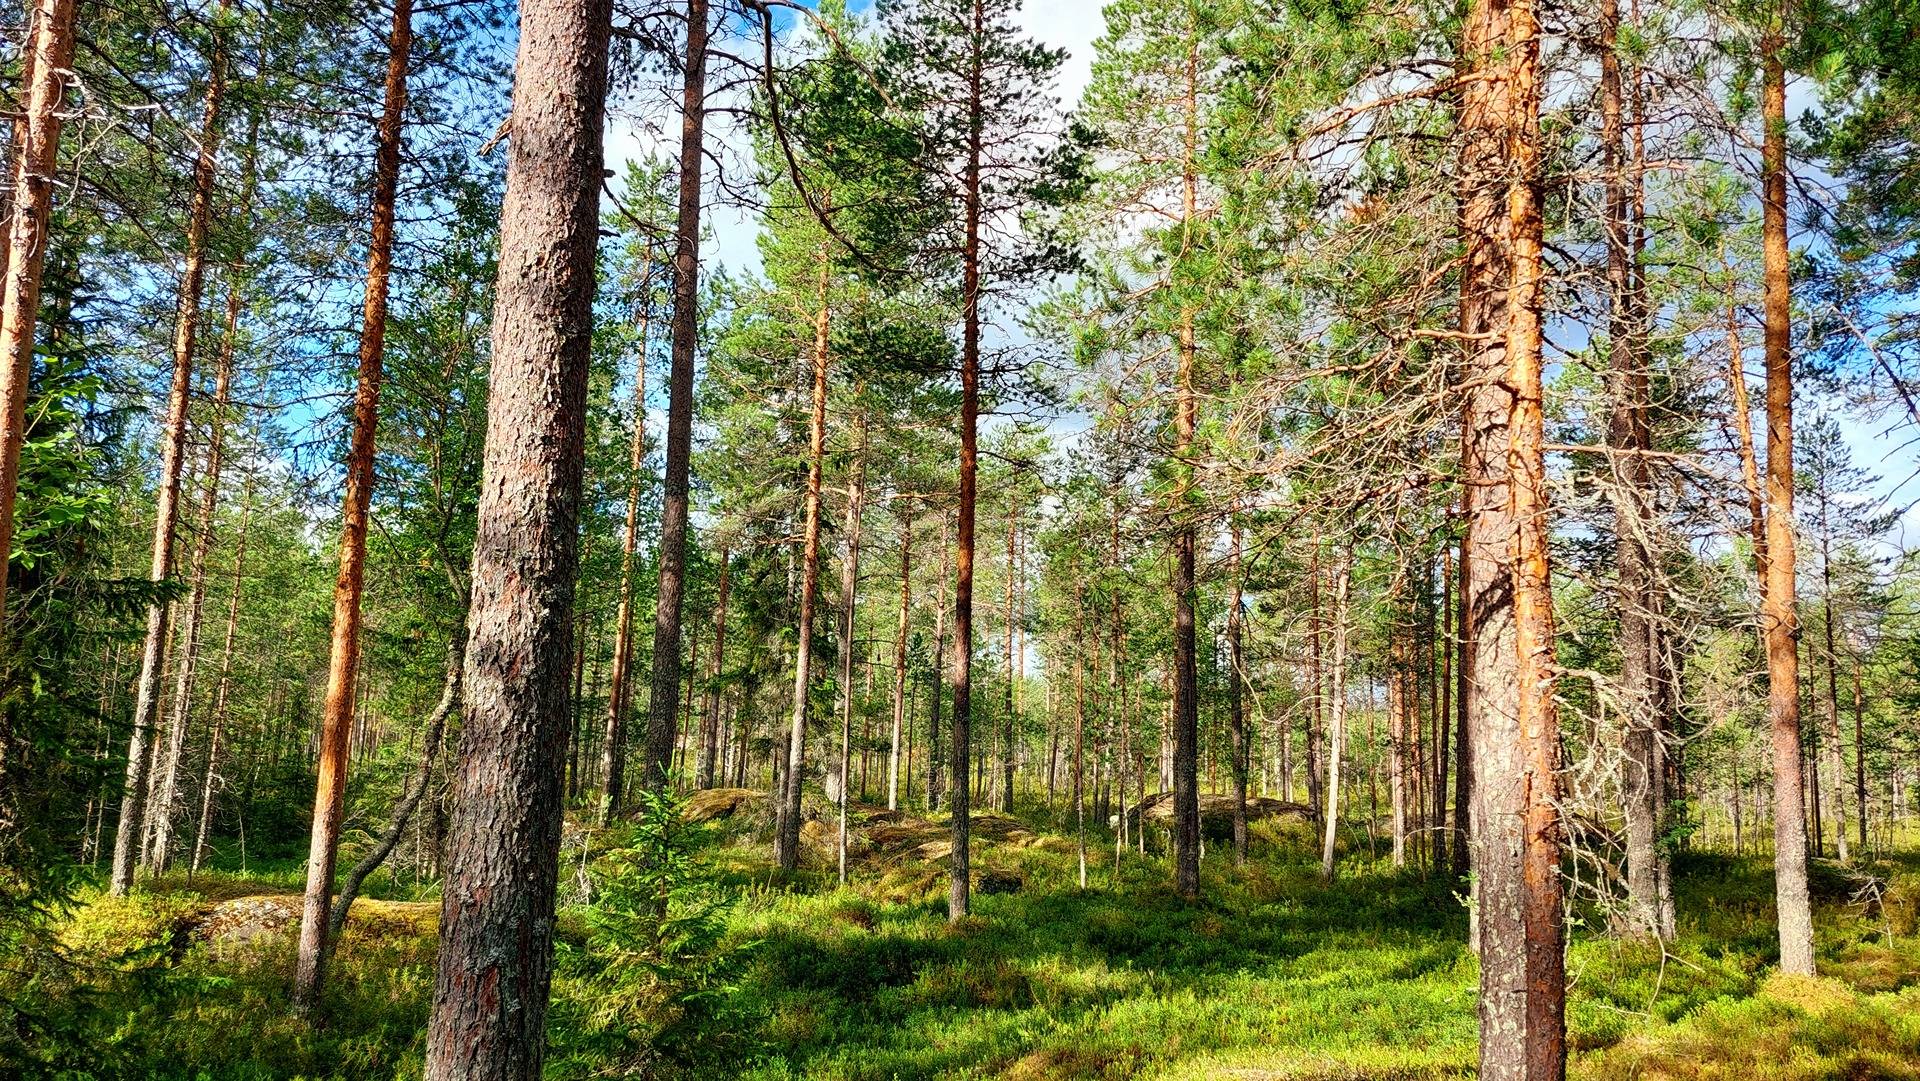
{"x": 939, "y": 666}
{"x": 1336, "y": 714}
{"x": 664, "y": 688}
{"x": 1628, "y": 440}
{"x": 35, "y": 162}
{"x": 1186, "y": 680}
{"x": 1830, "y": 727}
{"x": 712, "y": 731}
{"x": 331, "y": 790}
{"x": 1514, "y": 731}
{"x": 614, "y": 752}
{"x": 1316, "y": 693}
{"x": 223, "y": 688}
{"x": 1399, "y": 712}
{"x": 496, "y": 922}
{"x": 849, "y": 607}
{"x": 1010, "y": 719}
{"x": 786, "y": 834}
{"x": 129, "y": 835}
{"x": 209, "y": 502}
{"x": 959, "y": 880}
{"x": 1080, "y": 725}
{"x": 1779, "y": 620}
{"x": 1236, "y": 706}
{"x": 900, "y": 719}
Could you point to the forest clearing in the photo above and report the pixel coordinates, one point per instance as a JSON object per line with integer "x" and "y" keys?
{"x": 1268, "y": 539}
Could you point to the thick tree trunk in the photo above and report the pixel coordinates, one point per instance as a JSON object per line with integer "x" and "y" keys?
{"x": 786, "y": 833}
{"x": 1778, "y": 618}
{"x": 664, "y": 689}
{"x": 128, "y": 836}
{"x": 496, "y": 920}
{"x": 1336, "y": 715}
{"x": 1514, "y": 730}
{"x": 330, "y": 793}
{"x": 900, "y": 718}
{"x": 614, "y": 751}
{"x": 849, "y": 608}
{"x": 411, "y": 796}
{"x": 35, "y": 162}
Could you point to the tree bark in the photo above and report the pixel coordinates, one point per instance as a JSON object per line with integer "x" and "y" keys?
{"x": 1778, "y": 618}
{"x": 849, "y": 608}
{"x": 496, "y": 923}
{"x": 1186, "y": 680}
{"x": 786, "y": 834}
{"x": 331, "y": 790}
{"x": 900, "y": 656}
{"x": 614, "y": 753}
{"x": 939, "y": 665}
{"x": 1514, "y": 730}
{"x": 49, "y": 52}
{"x": 712, "y": 731}
{"x": 959, "y": 890}
{"x": 1010, "y": 722}
{"x": 664, "y": 691}
{"x": 224, "y": 687}
{"x": 1236, "y": 706}
{"x": 1830, "y": 727}
{"x": 1628, "y": 438}
{"x": 128, "y": 835}
{"x": 1080, "y": 725}
{"x": 1336, "y": 714}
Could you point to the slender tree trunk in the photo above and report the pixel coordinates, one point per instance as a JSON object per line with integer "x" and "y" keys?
{"x": 849, "y": 608}
{"x": 224, "y": 687}
{"x": 939, "y": 664}
{"x": 712, "y": 732}
{"x": 1186, "y": 680}
{"x": 664, "y": 692}
{"x": 35, "y": 162}
{"x": 410, "y": 797}
{"x": 1080, "y": 725}
{"x": 1830, "y": 729}
{"x": 1236, "y": 707}
{"x": 496, "y": 920}
{"x": 1010, "y": 720}
{"x": 128, "y": 836}
{"x": 1514, "y": 731}
{"x": 959, "y": 802}
{"x": 900, "y": 718}
{"x": 1629, "y": 439}
{"x": 614, "y": 751}
{"x": 1336, "y": 714}
{"x": 786, "y": 837}
{"x": 1399, "y": 717}
{"x": 1316, "y": 694}
{"x": 1859, "y": 757}
{"x": 330, "y": 793}
{"x": 1779, "y": 619}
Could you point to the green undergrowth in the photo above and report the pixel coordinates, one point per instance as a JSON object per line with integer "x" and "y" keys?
{"x": 1271, "y": 975}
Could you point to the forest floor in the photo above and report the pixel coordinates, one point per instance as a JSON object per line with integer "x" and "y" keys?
{"x": 1273, "y": 976}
